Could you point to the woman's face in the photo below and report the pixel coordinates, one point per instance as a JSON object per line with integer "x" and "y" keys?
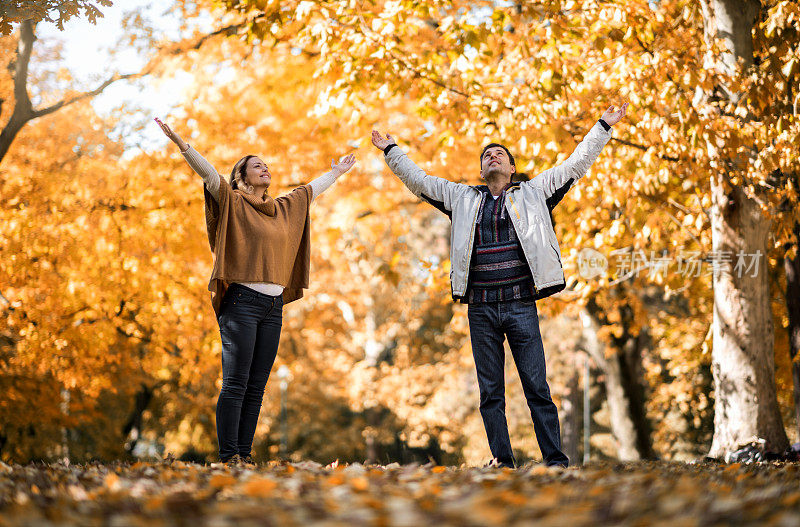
{"x": 257, "y": 174}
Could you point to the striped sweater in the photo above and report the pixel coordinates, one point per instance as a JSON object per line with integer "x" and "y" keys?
{"x": 498, "y": 269}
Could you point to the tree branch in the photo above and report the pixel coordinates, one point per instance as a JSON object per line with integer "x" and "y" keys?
{"x": 227, "y": 31}
{"x": 645, "y": 148}
{"x": 427, "y": 77}
{"x": 86, "y": 95}
{"x": 23, "y": 108}
{"x": 177, "y": 50}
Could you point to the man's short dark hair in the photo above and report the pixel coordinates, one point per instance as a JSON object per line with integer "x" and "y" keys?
{"x": 490, "y": 145}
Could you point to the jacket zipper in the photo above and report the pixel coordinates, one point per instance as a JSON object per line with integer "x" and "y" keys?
{"x": 555, "y": 251}
{"x": 469, "y": 251}
{"x": 514, "y": 206}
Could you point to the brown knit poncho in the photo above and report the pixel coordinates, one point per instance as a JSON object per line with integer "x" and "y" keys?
{"x": 257, "y": 240}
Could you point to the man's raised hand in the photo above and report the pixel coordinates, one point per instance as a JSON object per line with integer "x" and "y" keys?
{"x": 382, "y": 142}
{"x": 612, "y": 116}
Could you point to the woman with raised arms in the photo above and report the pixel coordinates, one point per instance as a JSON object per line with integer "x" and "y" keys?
{"x": 261, "y": 251}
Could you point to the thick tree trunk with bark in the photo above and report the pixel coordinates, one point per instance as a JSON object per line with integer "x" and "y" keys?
{"x": 743, "y": 361}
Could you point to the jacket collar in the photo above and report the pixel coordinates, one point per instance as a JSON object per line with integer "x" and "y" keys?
{"x": 484, "y": 189}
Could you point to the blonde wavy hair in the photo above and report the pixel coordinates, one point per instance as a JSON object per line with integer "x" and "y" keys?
{"x": 238, "y": 174}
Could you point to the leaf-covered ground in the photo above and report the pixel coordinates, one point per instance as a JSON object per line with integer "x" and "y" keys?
{"x": 176, "y": 493}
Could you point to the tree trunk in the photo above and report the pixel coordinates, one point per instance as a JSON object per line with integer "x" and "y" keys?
{"x": 10, "y": 131}
{"x": 571, "y": 414}
{"x": 792, "y": 268}
{"x": 132, "y": 430}
{"x": 745, "y": 402}
{"x": 23, "y": 110}
{"x": 630, "y": 363}
{"x": 372, "y": 418}
{"x": 622, "y": 426}
{"x": 742, "y": 360}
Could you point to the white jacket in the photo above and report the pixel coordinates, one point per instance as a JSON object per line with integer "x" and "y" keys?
{"x": 528, "y": 204}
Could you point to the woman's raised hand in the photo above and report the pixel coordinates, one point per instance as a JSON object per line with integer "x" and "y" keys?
{"x": 344, "y": 164}
{"x": 381, "y": 142}
{"x": 175, "y": 138}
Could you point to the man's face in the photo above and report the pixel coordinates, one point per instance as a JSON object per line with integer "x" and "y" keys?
{"x": 495, "y": 163}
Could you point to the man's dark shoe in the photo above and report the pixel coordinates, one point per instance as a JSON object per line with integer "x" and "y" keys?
{"x": 496, "y": 463}
{"x": 234, "y": 461}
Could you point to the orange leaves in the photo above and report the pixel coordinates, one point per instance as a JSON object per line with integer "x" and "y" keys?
{"x": 220, "y": 481}
{"x": 112, "y": 269}
{"x": 783, "y": 15}
{"x": 112, "y": 482}
{"x": 259, "y": 487}
{"x": 50, "y": 10}
{"x": 633, "y": 493}
{"x": 103, "y": 285}
{"x": 359, "y": 484}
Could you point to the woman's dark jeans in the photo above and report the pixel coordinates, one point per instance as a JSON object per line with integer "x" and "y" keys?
{"x": 250, "y": 326}
{"x": 489, "y": 325}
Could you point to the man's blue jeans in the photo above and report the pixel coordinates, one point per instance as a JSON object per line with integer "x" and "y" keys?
{"x": 518, "y": 320}
{"x": 250, "y": 327}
